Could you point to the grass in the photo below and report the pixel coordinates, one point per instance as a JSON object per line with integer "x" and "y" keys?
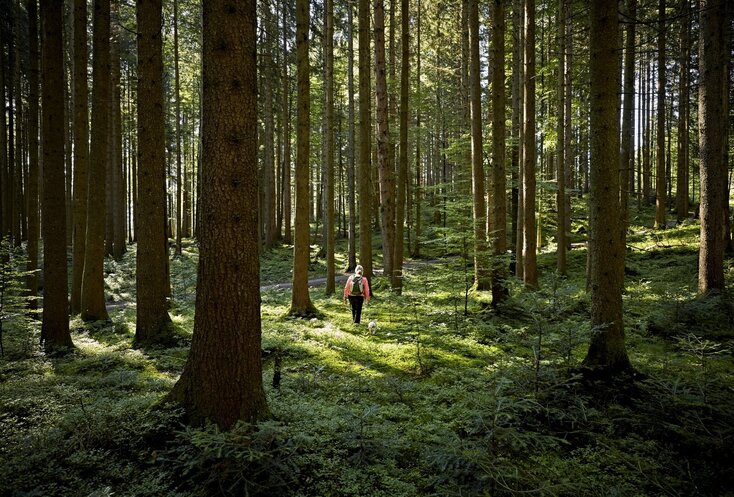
{"x": 435, "y": 402}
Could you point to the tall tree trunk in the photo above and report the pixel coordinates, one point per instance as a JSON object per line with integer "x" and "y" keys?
{"x": 560, "y": 144}
{"x": 268, "y": 169}
{"x": 329, "y": 145}
{"x": 32, "y": 185}
{"x": 607, "y": 351}
{"x": 4, "y": 173}
{"x": 301, "y": 301}
{"x": 418, "y": 169}
{"x": 55, "y": 327}
{"x": 118, "y": 181}
{"x": 17, "y": 184}
{"x": 499, "y": 182}
{"x": 222, "y": 379}
{"x": 681, "y": 190}
{"x": 397, "y": 278}
{"x": 286, "y": 192}
{"x": 516, "y": 156}
{"x": 529, "y": 248}
{"x": 626, "y": 167}
{"x": 177, "y": 90}
{"x": 352, "y": 243}
{"x": 387, "y": 176}
{"x": 660, "y": 192}
{"x": 153, "y": 322}
{"x": 92, "y": 301}
{"x": 481, "y": 270}
{"x": 365, "y": 141}
{"x": 712, "y": 70}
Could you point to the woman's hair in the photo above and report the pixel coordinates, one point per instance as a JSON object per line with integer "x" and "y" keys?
{"x": 358, "y": 269}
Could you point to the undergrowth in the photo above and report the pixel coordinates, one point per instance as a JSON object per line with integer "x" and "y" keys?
{"x": 445, "y": 397}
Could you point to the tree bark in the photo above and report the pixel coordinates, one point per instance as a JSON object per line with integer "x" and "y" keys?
{"x": 365, "y": 141}
{"x": 55, "y": 326}
{"x": 529, "y": 248}
{"x": 222, "y": 379}
{"x": 92, "y": 301}
{"x": 32, "y": 185}
{"x": 660, "y": 192}
{"x": 499, "y": 182}
{"x": 118, "y": 181}
{"x": 626, "y": 165}
{"x": 681, "y": 190}
{"x": 352, "y": 206}
{"x": 177, "y": 90}
{"x": 712, "y": 71}
{"x": 268, "y": 169}
{"x": 607, "y": 351}
{"x": 397, "y": 279}
{"x": 329, "y": 145}
{"x": 286, "y": 191}
{"x": 153, "y": 324}
{"x": 481, "y": 270}
{"x": 560, "y": 145}
{"x": 300, "y": 300}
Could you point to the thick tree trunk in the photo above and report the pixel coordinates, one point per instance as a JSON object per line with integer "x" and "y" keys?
{"x": 301, "y": 301}
{"x": 177, "y": 90}
{"x": 499, "y": 182}
{"x": 92, "y": 302}
{"x": 153, "y": 322}
{"x": 712, "y": 70}
{"x": 55, "y": 327}
{"x": 626, "y": 165}
{"x": 660, "y": 192}
{"x": 481, "y": 270}
{"x": 607, "y": 350}
{"x": 268, "y": 169}
{"x": 529, "y": 248}
{"x": 118, "y": 181}
{"x": 365, "y": 141}
{"x": 222, "y": 379}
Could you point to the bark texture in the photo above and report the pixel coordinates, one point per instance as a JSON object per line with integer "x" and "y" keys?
{"x": 222, "y": 379}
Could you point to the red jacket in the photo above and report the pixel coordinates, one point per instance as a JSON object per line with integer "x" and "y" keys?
{"x": 365, "y": 288}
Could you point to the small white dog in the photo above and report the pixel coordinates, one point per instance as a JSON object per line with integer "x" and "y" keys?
{"x": 372, "y": 326}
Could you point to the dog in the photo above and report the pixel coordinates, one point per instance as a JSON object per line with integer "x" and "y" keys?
{"x": 372, "y": 326}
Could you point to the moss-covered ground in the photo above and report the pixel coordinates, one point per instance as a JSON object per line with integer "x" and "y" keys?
{"x": 446, "y": 396}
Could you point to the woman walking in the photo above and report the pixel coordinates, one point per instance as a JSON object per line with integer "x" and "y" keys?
{"x": 357, "y": 290}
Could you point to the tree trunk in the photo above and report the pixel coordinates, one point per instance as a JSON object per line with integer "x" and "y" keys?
{"x": 481, "y": 270}
{"x": 32, "y": 185}
{"x": 329, "y": 145}
{"x": 55, "y": 327}
{"x": 268, "y": 169}
{"x": 560, "y": 145}
{"x": 516, "y": 155}
{"x": 222, "y": 379}
{"x": 286, "y": 191}
{"x": 418, "y": 169}
{"x": 712, "y": 70}
{"x": 352, "y": 243}
{"x": 397, "y": 278}
{"x": 626, "y": 165}
{"x": 177, "y": 90}
{"x": 660, "y": 192}
{"x": 301, "y": 301}
{"x": 153, "y": 322}
{"x": 387, "y": 176}
{"x": 607, "y": 350}
{"x": 118, "y": 182}
{"x": 365, "y": 141}
{"x": 529, "y": 248}
{"x": 681, "y": 190}
{"x": 92, "y": 301}
{"x": 499, "y": 183}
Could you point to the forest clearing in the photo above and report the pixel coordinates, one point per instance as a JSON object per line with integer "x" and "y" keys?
{"x": 367, "y": 248}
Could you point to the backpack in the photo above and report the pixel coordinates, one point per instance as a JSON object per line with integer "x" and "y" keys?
{"x": 355, "y": 288}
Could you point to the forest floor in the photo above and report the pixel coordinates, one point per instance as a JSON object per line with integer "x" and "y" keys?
{"x": 446, "y": 397}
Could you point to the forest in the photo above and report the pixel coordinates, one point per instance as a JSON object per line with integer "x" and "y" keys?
{"x": 366, "y": 248}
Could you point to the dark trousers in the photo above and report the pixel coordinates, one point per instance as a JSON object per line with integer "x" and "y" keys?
{"x": 356, "y": 302}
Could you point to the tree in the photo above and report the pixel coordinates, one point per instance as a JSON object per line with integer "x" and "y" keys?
{"x": 499, "y": 183}
{"x": 481, "y": 274}
{"x": 681, "y": 189}
{"x": 300, "y": 299}
{"x": 387, "y": 175}
{"x": 92, "y": 296}
{"x": 118, "y": 184}
{"x": 530, "y": 271}
{"x": 329, "y": 144}
{"x": 560, "y": 144}
{"x": 365, "y": 141}
{"x": 268, "y": 169}
{"x": 55, "y": 327}
{"x": 177, "y": 90}
{"x": 712, "y": 70}
{"x": 607, "y": 350}
{"x": 352, "y": 242}
{"x": 222, "y": 379}
{"x": 32, "y": 183}
{"x": 151, "y": 280}
{"x": 286, "y": 183}
{"x": 660, "y": 193}
{"x": 626, "y": 165}
{"x": 397, "y": 278}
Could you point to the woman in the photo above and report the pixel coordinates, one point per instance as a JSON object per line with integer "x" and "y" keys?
{"x": 357, "y": 290}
